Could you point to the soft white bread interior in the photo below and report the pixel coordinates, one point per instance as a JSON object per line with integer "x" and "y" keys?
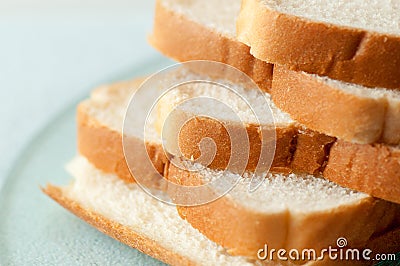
{"x": 126, "y": 213}
{"x": 220, "y": 16}
{"x": 380, "y": 16}
{"x": 243, "y": 102}
{"x": 109, "y": 104}
{"x": 352, "y": 41}
{"x": 286, "y": 211}
{"x": 343, "y": 110}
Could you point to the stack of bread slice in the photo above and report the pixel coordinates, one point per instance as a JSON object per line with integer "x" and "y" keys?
{"x": 336, "y": 169}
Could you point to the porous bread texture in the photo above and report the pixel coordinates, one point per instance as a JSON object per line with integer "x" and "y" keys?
{"x": 198, "y": 30}
{"x": 284, "y": 212}
{"x": 321, "y": 39}
{"x": 247, "y": 105}
{"x": 280, "y": 192}
{"x": 128, "y": 205}
{"x": 343, "y": 110}
{"x": 374, "y": 15}
{"x": 115, "y": 98}
{"x": 219, "y": 16}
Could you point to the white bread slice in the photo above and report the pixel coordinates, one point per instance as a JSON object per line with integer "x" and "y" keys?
{"x": 100, "y": 119}
{"x": 126, "y": 213}
{"x": 352, "y": 41}
{"x": 297, "y": 149}
{"x": 373, "y": 169}
{"x": 99, "y": 122}
{"x": 198, "y": 30}
{"x": 346, "y": 111}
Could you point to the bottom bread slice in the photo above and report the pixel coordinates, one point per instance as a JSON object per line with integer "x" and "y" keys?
{"x": 126, "y": 213}
{"x": 285, "y": 211}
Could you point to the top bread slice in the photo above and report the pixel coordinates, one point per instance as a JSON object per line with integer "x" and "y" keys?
{"x": 128, "y": 214}
{"x": 198, "y": 30}
{"x": 187, "y": 30}
{"x": 352, "y": 41}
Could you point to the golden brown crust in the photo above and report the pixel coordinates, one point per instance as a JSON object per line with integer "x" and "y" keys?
{"x": 311, "y": 152}
{"x": 372, "y": 169}
{"x": 244, "y": 231}
{"x": 117, "y": 231}
{"x": 297, "y": 150}
{"x": 349, "y": 54}
{"x": 327, "y": 109}
{"x": 101, "y": 145}
{"x": 178, "y": 37}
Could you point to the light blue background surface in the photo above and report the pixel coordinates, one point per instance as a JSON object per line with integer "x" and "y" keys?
{"x": 52, "y": 51}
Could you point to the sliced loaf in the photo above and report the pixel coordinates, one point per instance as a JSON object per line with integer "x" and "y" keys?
{"x": 366, "y": 115}
{"x": 373, "y": 169}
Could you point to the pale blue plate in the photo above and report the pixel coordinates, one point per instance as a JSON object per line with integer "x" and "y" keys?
{"x": 34, "y": 230}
